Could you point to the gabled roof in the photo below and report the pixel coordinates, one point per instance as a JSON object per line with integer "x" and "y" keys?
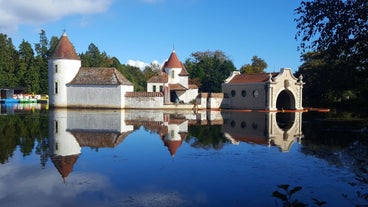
{"x": 160, "y": 78}
{"x": 252, "y": 78}
{"x": 177, "y": 87}
{"x": 99, "y": 139}
{"x": 65, "y": 49}
{"x": 99, "y": 76}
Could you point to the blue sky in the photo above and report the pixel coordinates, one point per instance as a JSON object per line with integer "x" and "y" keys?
{"x": 142, "y": 31}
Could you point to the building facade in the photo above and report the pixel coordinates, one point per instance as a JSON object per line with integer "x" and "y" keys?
{"x": 173, "y": 81}
{"x": 267, "y": 91}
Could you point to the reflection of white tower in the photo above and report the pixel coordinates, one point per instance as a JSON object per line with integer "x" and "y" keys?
{"x": 177, "y": 130}
{"x": 64, "y": 148}
{"x": 62, "y": 67}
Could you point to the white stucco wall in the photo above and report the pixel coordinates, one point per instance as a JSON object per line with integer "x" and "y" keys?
{"x": 144, "y": 102}
{"x": 150, "y": 87}
{"x": 188, "y": 95}
{"x": 65, "y": 72}
{"x": 103, "y": 120}
{"x": 95, "y": 96}
{"x": 61, "y": 142}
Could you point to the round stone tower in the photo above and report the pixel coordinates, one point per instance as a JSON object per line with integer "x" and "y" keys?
{"x": 63, "y": 65}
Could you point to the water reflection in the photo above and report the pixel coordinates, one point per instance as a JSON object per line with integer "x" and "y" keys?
{"x": 271, "y": 129}
{"x": 124, "y": 155}
{"x": 70, "y": 130}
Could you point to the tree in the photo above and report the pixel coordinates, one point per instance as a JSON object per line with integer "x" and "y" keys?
{"x": 41, "y": 68}
{"x": 8, "y": 62}
{"x": 337, "y": 26}
{"x": 94, "y": 58}
{"x": 211, "y": 68}
{"x": 258, "y": 66}
{"x": 27, "y": 73}
{"x": 338, "y": 31}
{"x": 151, "y": 70}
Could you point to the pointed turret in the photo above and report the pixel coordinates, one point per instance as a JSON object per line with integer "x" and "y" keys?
{"x": 63, "y": 65}
{"x": 173, "y": 61}
{"x": 65, "y": 49}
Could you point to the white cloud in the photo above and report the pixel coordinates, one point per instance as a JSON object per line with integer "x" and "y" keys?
{"x": 35, "y": 12}
{"x": 137, "y": 63}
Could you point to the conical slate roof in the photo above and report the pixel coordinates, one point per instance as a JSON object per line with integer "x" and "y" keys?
{"x": 65, "y": 49}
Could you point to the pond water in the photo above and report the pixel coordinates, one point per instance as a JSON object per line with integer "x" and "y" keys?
{"x": 178, "y": 158}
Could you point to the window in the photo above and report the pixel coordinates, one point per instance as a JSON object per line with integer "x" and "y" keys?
{"x": 243, "y": 124}
{"x": 244, "y": 93}
{"x": 254, "y": 125}
{"x": 233, "y": 123}
{"x": 161, "y": 88}
{"x": 56, "y": 68}
{"x": 56, "y": 88}
{"x": 255, "y": 93}
{"x": 56, "y": 127}
{"x": 154, "y": 89}
{"x": 172, "y": 74}
{"x": 233, "y": 93}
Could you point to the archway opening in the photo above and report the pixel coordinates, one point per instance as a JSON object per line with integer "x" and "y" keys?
{"x": 285, "y": 120}
{"x": 285, "y": 100}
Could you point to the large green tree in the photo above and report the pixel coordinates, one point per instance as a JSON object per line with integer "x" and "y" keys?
{"x": 28, "y": 72}
{"x": 94, "y": 58}
{"x": 42, "y": 56}
{"x": 211, "y": 68}
{"x": 258, "y": 65}
{"x": 337, "y": 31}
{"x": 8, "y": 62}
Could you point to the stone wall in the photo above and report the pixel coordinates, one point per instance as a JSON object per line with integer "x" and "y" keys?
{"x": 144, "y": 100}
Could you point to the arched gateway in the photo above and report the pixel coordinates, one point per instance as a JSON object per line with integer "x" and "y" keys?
{"x": 269, "y": 91}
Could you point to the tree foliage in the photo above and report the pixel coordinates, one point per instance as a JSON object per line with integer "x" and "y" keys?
{"x": 211, "y": 68}
{"x": 337, "y": 26}
{"x": 258, "y": 65}
{"x": 334, "y": 40}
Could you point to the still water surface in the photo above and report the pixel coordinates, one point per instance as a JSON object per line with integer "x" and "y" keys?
{"x": 176, "y": 158}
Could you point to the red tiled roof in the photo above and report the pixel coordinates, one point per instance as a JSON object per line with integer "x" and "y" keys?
{"x": 192, "y": 86}
{"x": 160, "y": 78}
{"x": 252, "y": 78}
{"x": 99, "y": 139}
{"x": 177, "y": 87}
{"x": 144, "y": 94}
{"x": 65, "y": 49}
{"x": 254, "y": 140}
{"x": 173, "y": 61}
{"x": 64, "y": 164}
{"x": 183, "y": 71}
{"x": 99, "y": 76}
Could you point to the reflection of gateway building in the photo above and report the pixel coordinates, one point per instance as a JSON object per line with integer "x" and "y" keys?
{"x": 277, "y": 129}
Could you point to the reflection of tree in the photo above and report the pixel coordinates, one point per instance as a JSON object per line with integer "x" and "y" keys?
{"x": 206, "y": 137}
{"x": 23, "y": 131}
{"x": 340, "y": 143}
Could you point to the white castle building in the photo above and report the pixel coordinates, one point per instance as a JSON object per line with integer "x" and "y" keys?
{"x": 73, "y": 86}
